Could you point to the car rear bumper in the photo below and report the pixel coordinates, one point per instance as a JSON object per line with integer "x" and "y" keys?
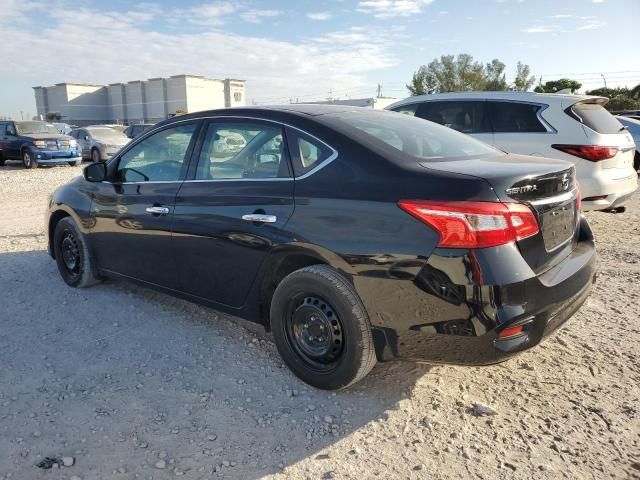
{"x": 616, "y": 185}
{"x": 457, "y": 317}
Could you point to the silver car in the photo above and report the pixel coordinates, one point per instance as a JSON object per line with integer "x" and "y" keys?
{"x": 99, "y": 142}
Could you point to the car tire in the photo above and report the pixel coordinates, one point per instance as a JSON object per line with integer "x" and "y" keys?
{"x": 2, "y": 159}
{"x": 321, "y": 328}
{"x": 27, "y": 159}
{"x": 76, "y": 163}
{"x": 75, "y": 263}
{"x": 636, "y": 162}
{"x": 95, "y": 155}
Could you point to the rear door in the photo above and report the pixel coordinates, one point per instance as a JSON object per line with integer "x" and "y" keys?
{"x": 84, "y": 140}
{"x": 518, "y": 127}
{"x": 132, "y": 213}
{"x": 231, "y": 211}
{"x": 469, "y": 116}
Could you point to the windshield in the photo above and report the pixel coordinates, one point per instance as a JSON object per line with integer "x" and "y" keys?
{"x": 414, "y": 136}
{"x": 108, "y": 134}
{"x": 29, "y": 128}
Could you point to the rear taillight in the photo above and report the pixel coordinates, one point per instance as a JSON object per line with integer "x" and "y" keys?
{"x": 593, "y": 153}
{"x": 474, "y": 224}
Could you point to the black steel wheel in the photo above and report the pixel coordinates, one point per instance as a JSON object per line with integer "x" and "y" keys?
{"x": 74, "y": 262}
{"x": 315, "y": 331}
{"x": 321, "y": 328}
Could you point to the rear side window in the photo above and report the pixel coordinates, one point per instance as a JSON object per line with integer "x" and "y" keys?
{"x": 466, "y": 117}
{"x": 245, "y": 150}
{"x": 306, "y": 152}
{"x": 594, "y": 116}
{"x": 3, "y": 128}
{"x": 513, "y": 117}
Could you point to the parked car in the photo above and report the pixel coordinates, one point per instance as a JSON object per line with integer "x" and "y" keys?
{"x": 576, "y": 128}
{"x": 99, "y": 142}
{"x": 132, "y": 131}
{"x": 36, "y": 143}
{"x": 633, "y": 126}
{"x": 354, "y": 235}
{"x": 63, "y": 128}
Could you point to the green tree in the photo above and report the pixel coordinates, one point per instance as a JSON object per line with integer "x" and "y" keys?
{"x": 620, "y": 98}
{"x": 554, "y": 86}
{"x": 448, "y": 74}
{"x": 496, "y": 79}
{"x": 524, "y": 80}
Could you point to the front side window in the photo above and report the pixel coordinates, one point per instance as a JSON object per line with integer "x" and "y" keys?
{"x": 513, "y": 117}
{"x": 3, "y": 127}
{"x": 160, "y": 157}
{"x": 466, "y": 117}
{"x": 243, "y": 150}
{"x": 10, "y": 129}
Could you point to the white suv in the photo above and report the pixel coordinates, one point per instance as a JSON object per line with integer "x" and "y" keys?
{"x": 569, "y": 127}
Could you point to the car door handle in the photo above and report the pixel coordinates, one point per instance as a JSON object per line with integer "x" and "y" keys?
{"x": 157, "y": 210}
{"x": 257, "y": 217}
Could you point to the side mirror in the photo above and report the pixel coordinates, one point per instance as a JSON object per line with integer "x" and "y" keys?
{"x": 86, "y": 137}
{"x": 96, "y": 172}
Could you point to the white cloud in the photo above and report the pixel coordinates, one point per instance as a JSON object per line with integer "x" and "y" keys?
{"x": 539, "y": 29}
{"x": 392, "y": 8}
{"x": 257, "y": 16}
{"x": 319, "y": 15}
{"x": 133, "y": 51}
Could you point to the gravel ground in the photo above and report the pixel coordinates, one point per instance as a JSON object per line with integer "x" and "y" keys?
{"x": 136, "y": 384}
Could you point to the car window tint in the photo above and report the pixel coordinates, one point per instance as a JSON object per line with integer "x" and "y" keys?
{"x": 412, "y": 136}
{"x": 515, "y": 117}
{"x": 407, "y": 109}
{"x": 596, "y": 117}
{"x": 161, "y": 157}
{"x": 10, "y": 129}
{"x": 306, "y": 151}
{"x": 2, "y": 128}
{"x": 466, "y": 117}
{"x": 242, "y": 151}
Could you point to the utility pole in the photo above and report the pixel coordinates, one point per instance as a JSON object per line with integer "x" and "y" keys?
{"x": 605, "y": 80}
{"x": 379, "y": 90}
{"x": 21, "y": 115}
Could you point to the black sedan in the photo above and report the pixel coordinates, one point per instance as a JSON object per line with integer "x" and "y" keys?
{"x": 354, "y": 235}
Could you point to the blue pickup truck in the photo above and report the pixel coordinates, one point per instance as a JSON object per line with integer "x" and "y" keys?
{"x": 37, "y": 143}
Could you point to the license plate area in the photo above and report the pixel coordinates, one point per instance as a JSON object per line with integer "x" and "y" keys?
{"x": 557, "y": 224}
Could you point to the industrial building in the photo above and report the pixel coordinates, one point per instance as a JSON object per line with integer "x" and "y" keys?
{"x": 139, "y": 101}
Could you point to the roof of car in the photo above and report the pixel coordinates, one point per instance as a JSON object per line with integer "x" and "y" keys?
{"x": 523, "y": 96}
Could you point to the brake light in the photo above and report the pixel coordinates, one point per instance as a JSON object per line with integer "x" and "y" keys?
{"x": 510, "y": 332}
{"x": 474, "y": 224}
{"x": 593, "y": 153}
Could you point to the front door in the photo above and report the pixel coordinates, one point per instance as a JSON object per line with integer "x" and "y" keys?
{"x": 228, "y": 217}
{"x": 131, "y": 228}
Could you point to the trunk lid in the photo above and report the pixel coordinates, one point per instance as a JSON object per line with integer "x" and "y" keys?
{"x": 547, "y": 186}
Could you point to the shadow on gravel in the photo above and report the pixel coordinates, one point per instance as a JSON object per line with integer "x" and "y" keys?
{"x": 121, "y": 377}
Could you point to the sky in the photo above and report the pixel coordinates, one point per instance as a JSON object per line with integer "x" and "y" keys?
{"x": 307, "y": 49}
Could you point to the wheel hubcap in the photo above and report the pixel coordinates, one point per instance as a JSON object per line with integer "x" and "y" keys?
{"x": 71, "y": 253}
{"x": 316, "y": 332}
{"x": 27, "y": 159}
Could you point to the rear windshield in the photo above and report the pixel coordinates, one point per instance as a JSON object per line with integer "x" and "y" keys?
{"x": 413, "y": 136}
{"x": 594, "y": 116}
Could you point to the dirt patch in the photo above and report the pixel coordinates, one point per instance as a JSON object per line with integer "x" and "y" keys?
{"x": 136, "y": 384}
